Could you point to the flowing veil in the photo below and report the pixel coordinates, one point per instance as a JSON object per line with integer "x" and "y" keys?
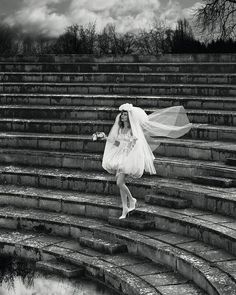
{"x": 169, "y": 122}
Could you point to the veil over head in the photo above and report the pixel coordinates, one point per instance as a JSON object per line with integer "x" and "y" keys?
{"x": 147, "y": 129}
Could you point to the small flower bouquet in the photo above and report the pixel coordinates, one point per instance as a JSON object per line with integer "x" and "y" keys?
{"x": 99, "y": 136}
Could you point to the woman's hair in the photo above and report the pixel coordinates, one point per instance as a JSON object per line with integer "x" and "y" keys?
{"x": 121, "y": 123}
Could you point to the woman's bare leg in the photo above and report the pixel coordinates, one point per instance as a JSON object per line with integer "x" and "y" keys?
{"x": 120, "y": 180}
{"x": 125, "y": 192}
{"x": 132, "y": 200}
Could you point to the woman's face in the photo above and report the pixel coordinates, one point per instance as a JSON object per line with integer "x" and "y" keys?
{"x": 124, "y": 116}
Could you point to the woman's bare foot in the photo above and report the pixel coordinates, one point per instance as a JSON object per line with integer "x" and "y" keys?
{"x": 124, "y": 213}
{"x": 132, "y": 205}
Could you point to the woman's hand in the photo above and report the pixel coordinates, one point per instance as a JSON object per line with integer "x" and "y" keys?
{"x": 132, "y": 142}
{"x": 116, "y": 143}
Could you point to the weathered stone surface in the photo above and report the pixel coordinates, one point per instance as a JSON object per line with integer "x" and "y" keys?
{"x": 147, "y": 268}
{"x": 182, "y": 289}
{"x": 134, "y": 223}
{"x": 214, "y": 181}
{"x": 49, "y": 111}
{"x": 230, "y": 161}
{"x": 61, "y": 268}
{"x": 103, "y": 245}
{"x": 165, "y": 279}
{"x": 167, "y": 201}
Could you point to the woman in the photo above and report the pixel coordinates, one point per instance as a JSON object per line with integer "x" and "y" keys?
{"x": 130, "y": 144}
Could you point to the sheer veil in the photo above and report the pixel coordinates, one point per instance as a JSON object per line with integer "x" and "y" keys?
{"x": 169, "y": 122}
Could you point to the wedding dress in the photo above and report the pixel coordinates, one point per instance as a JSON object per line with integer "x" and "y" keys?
{"x": 132, "y": 152}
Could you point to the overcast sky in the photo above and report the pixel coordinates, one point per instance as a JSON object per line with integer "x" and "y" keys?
{"x": 51, "y": 17}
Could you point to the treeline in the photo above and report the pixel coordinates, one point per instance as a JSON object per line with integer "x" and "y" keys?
{"x": 86, "y": 40}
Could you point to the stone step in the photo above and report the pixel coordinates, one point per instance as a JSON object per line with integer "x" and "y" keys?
{"x": 198, "y": 131}
{"x": 186, "y": 78}
{"x": 214, "y": 181}
{"x": 45, "y": 248}
{"x": 185, "y": 168}
{"x": 189, "y": 102}
{"x": 167, "y": 201}
{"x": 165, "y": 166}
{"x": 127, "y": 89}
{"x": 152, "y": 67}
{"x": 135, "y": 223}
{"x": 215, "y": 117}
{"x": 69, "y": 179}
{"x": 179, "y": 253}
{"x": 219, "y": 200}
{"x": 231, "y": 161}
{"x": 99, "y": 203}
{"x": 102, "y": 245}
{"x": 219, "y": 231}
{"x": 129, "y": 273}
{"x": 196, "y": 149}
{"x": 60, "y": 268}
{"x": 81, "y": 58}
{"x": 183, "y": 148}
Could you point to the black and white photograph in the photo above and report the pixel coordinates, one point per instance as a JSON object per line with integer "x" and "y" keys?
{"x": 117, "y": 147}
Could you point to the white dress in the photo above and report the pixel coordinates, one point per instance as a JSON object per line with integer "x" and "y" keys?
{"x": 134, "y": 159}
{"x": 125, "y": 156}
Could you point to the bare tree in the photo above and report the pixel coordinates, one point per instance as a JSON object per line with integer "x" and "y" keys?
{"x": 8, "y": 40}
{"x": 156, "y": 40}
{"x": 112, "y": 42}
{"x": 87, "y": 37}
{"x": 217, "y": 17}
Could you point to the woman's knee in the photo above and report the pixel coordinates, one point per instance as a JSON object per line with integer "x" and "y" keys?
{"x": 120, "y": 181}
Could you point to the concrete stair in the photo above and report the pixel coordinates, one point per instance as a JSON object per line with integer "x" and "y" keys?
{"x": 124, "y": 88}
{"x": 102, "y": 245}
{"x": 214, "y": 181}
{"x": 198, "y": 131}
{"x": 182, "y": 148}
{"x": 196, "y": 261}
{"x": 215, "y": 117}
{"x": 127, "y": 274}
{"x": 187, "y": 78}
{"x": 192, "y": 102}
{"x": 165, "y": 166}
{"x": 120, "y": 67}
{"x": 60, "y": 268}
{"x": 62, "y": 208}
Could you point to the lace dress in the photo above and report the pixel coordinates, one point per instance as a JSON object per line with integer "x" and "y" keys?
{"x": 124, "y": 156}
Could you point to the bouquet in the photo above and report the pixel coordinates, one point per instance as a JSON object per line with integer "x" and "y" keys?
{"x": 99, "y": 136}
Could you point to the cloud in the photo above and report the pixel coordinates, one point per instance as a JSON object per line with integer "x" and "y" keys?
{"x": 51, "y": 17}
{"x": 39, "y": 17}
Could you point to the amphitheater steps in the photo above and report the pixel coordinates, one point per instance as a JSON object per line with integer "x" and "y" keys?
{"x": 163, "y": 58}
{"x": 215, "y": 117}
{"x": 167, "y": 201}
{"x": 198, "y": 131}
{"x": 51, "y": 77}
{"x": 102, "y": 245}
{"x": 192, "y": 102}
{"x": 114, "y": 88}
{"x": 210, "y": 198}
{"x": 60, "y": 268}
{"x": 210, "y": 228}
{"x": 130, "y": 275}
{"x": 66, "y": 252}
{"x": 231, "y": 161}
{"x": 194, "y": 260}
{"x": 60, "y": 188}
{"x": 176, "y": 67}
{"x": 171, "y": 167}
{"x": 134, "y": 222}
{"x": 183, "y": 148}
{"x": 214, "y": 181}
